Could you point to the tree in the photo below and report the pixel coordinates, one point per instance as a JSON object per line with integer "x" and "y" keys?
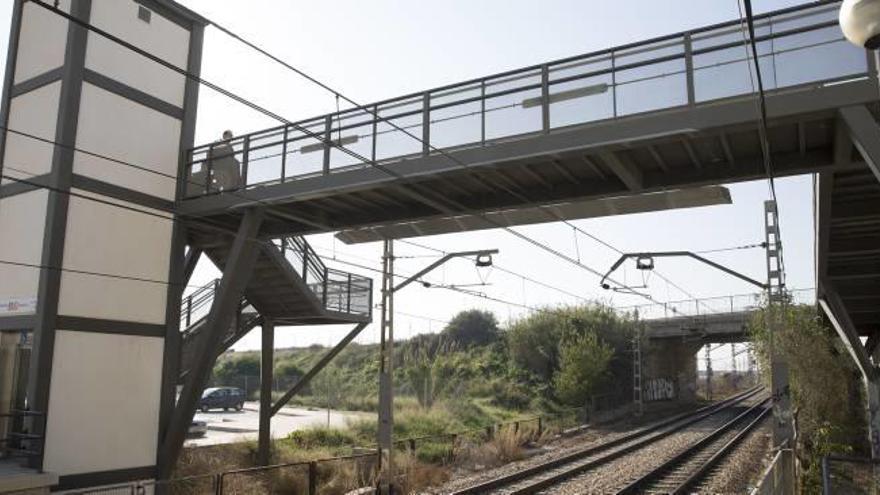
{"x": 472, "y": 327}
{"x": 583, "y": 361}
{"x": 231, "y": 371}
{"x": 534, "y": 341}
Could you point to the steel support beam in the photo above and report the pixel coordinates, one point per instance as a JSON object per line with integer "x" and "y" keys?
{"x": 302, "y": 382}
{"x": 865, "y": 134}
{"x": 833, "y": 307}
{"x": 190, "y": 263}
{"x": 628, "y": 173}
{"x": 236, "y": 274}
{"x": 266, "y": 364}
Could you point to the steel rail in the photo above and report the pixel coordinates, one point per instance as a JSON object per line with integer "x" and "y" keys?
{"x": 640, "y": 438}
{"x": 701, "y": 472}
{"x": 662, "y": 474}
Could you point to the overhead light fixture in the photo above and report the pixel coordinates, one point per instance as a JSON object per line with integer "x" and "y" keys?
{"x": 484, "y": 260}
{"x": 644, "y": 263}
{"x": 311, "y": 148}
{"x": 570, "y": 94}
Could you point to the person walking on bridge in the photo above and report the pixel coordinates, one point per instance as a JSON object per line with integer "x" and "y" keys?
{"x": 226, "y": 169}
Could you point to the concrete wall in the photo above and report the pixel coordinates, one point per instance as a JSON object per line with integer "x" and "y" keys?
{"x": 673, "y": 360}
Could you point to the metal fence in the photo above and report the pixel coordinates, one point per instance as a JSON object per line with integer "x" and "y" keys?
{"x": 796, "y": 47}
{"x": 19, "y": 440}
{"x": 712, "y": 305}
{"x": 416, "y": 456}
{"x": 850, "y": 475}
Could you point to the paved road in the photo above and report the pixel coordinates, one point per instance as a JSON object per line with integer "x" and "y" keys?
{"x": 235, "y": 426}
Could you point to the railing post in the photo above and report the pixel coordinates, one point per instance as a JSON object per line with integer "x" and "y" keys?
{"x": 689, "y": 68}
{"x": 189, "y": 305}
{"x": 328, "y": 142}
{"x": 483, "y": 112}
{"x": 313, "y": 478}
{"x": 545, "y": 98}
{"x": 326, "y": 283}
{"x": 284, "y": 155}
{"x": 246, "y": 150}
{"x": 540, "y": 426}
{"x": 348, "y": 295}
{"x": 209, "y": 169}
{"x": 412, "y": 445}
{"x": 305, "y": 271}
{"x": 426, "y": 124}
{"x": 375, "y": 134}
{"x": 613, "y": 87}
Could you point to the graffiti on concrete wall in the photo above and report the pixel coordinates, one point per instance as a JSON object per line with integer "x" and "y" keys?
{"x": 659, "y": 389}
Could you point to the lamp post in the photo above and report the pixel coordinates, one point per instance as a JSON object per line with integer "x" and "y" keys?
{"x": 386, "y": 352}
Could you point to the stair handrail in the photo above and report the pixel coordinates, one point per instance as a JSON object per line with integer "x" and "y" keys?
{"x": 311, "y": 263}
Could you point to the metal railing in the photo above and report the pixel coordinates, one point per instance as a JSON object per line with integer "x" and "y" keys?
{"x": 19, "y": 440}
{"x": 197, "y": 304}
{"x": 797, "y": 46}
{"x": 850, "y": 475}
{"x": 711, "y": 305}
{"x": 337, "y": 290}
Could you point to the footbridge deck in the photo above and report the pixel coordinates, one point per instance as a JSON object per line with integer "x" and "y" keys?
{"x": 717, "y": 319}
{"x": 650, "y": 117}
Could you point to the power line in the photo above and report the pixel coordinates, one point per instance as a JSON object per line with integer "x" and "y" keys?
{"x": 376, "y": 116}
{"x": 508, "y": 271}
{"x": 416, "y": 195}
{"x": 761, "y": 104}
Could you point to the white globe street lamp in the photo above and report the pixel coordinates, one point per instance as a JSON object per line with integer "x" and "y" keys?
{"x": 860, "y": 22}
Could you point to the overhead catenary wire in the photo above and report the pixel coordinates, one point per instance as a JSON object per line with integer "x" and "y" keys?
{"x": 761, "y": 104}
{"x": 417, "y": 195}
{"x": 376, "y": 116}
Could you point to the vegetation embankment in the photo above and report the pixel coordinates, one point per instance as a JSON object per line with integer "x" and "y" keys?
{"x": 825, "y": 387}
{"x": 470, "y": 375}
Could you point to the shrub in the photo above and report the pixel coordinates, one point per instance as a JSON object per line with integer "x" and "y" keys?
{"x": 322, "y": 437}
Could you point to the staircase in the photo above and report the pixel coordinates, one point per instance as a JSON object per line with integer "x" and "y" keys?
{"x": 290, "y": 284}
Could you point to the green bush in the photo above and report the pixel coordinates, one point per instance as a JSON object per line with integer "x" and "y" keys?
{"x": 311, "y": 438}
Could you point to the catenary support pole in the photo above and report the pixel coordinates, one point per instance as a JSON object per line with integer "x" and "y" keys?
{"x": 708, "y": 372}
{"x": 776, "y": 307}
{"x": 266, "y": 364}
{"x": 386, "y": 369}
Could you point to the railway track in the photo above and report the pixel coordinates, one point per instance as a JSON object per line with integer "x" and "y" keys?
{"x": 682, "y": 473}
{"x": 545, "y": 475}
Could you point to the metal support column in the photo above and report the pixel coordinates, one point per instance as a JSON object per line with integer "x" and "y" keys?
{"x": 386, "y": 370}
{"x": 708, "y": 372}
{"x": 782, "y": 427}
{"x": 266, "y": 364}
{"x": 637, "y": 372}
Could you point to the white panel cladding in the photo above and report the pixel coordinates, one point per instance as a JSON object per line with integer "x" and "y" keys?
{"x": 114, "y": 241}
{"x": 103, "y": 402}
{"x": 33, "y": 113}
{"x": 160, "y": 37}
{"x": 22, "y": 222}
{"x": 120, "y": 128}
{"x": 42, "y": 42}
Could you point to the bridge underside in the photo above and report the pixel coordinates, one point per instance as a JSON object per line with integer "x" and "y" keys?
{"x": 714, "y": 328}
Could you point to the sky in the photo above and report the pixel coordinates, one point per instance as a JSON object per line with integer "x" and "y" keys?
{"x": 384, "y": 48}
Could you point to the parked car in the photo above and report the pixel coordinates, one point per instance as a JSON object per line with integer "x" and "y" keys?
{"x": 222, "y": 398}
{"x": 197, "y": 428}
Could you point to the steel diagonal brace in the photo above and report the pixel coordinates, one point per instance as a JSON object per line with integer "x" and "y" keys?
{"x": 236, "y": 274}
{"x": 302, "y": 382}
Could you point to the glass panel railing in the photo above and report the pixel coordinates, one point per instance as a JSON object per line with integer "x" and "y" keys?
{"x": 797, "y": 46}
